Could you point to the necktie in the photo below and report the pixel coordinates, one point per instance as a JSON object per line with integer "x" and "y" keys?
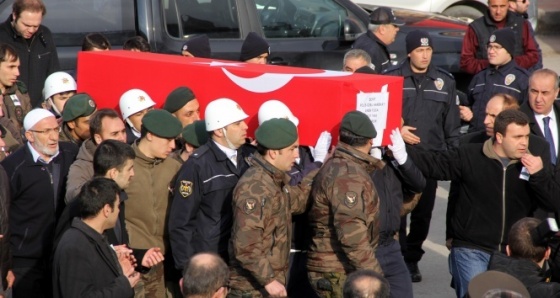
{"x": 548, "y": 137}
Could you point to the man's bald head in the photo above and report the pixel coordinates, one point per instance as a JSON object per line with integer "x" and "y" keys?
{"x": 204, "y": 275}
{"x": 365, "y": 283}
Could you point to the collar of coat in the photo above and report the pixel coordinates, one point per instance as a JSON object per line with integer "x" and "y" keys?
{"x": 488, "y": 150}
{"x": 367, "y": 161}
{"x": 279, "y": 177}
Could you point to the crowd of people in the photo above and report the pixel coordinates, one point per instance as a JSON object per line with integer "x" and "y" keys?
{"x": 157, "y": 202}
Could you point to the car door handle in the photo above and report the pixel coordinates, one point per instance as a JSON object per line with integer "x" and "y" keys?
{"x": 277, "y": 61}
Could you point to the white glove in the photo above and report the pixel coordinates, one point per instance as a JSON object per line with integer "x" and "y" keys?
{"x": 375, "y": 152}
{"x": 322, "y": 147}
{"x": 398, "y": 147}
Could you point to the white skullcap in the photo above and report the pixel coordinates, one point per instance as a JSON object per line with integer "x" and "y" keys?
{"x": 35, "y": 116}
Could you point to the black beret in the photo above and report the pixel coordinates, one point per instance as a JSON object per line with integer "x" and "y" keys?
{"x": 162, "y": 124}
{"x": 195, "y": 133}
{"x": 177, "y": 99}
{"x": 253, "y": 46}
{"x": 358, "y": 123}
{"x": 79, "y": 105}
{"x": 276, "y": 133}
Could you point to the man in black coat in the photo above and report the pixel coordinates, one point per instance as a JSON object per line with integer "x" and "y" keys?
{"x": 37, "y": 173}
{"x": 33, "y": 43}
{"x": 85, "y": 264}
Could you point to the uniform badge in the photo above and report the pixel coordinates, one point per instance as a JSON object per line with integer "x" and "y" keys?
{"x": 439, "y": 83}
{"x": 65, "y": 81}
{"x": 424, "y": 41}
{"x": 509, "y": 79}
{"x": 186, "y": 188}
{"x": 350, "y": 199}
{"x": 141, "y": 98}
{"x": 185, "y": 47}
{"x": 15, "y": 100}
{"x": 91, "y": 103}
{"x": 249, "y": 205}
{"x": 493, "y": 38}
{"x": 19, "y": 114}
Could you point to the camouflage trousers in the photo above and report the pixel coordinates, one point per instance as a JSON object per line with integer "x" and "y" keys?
{"x": 327, "y": 285}
{"x": 151, "y": 284}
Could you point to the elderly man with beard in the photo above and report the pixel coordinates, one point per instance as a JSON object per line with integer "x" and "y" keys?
{"x": 37, "y": 173}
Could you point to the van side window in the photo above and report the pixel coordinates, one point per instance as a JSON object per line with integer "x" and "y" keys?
{"x": 215, "y": 18}
{"x": 301, "y": 18}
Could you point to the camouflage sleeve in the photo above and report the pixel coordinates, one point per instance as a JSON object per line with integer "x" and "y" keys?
{"x": 354, "y": 204}
{"x": 249, "y": 222}
{"x": 299, "y": 194}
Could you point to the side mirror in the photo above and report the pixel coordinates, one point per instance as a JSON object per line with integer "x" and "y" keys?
{"x": 352, "y": 29}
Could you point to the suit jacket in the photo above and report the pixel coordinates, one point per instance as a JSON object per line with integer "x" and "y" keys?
{"x": 535, "y": 128}
{"x": 85, "y": 266}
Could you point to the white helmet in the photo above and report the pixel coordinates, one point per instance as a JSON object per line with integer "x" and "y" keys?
{"x": 58, "y": 82}
{"x": 276, "y": 109}
{"x": 221, "y": 113}
{"x": 134, "y": 101}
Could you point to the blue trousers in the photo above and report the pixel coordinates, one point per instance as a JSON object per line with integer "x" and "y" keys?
{"x": 464, "y": 264}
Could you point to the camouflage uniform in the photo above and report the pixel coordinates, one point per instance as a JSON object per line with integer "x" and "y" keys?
{"x": 11, "y": 137}
{"x": 343, "y": 219}
{"x": 263, "y": 204}
{"x": 16, "y": 104}
{"x": 66, "y": 136}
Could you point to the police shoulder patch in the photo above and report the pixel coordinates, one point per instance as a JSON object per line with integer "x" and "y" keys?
{"x": 186, "y": 188}
{"x": 439, "y": 83}
{"x": 509, "y": 79}
{"x": 350, "y": 199}
{"x": 249, "y": 205}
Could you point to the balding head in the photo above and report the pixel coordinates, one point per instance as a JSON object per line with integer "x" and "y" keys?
{"x": 206, "y": 275}
{"x": 366, "y": 283}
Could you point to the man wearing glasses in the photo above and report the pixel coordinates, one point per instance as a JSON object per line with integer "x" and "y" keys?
{"x": 474, "y": 56}
{"x": 503, "y": 75}
{"x": 37, "y": 174}
{"x": 382, "y": 31}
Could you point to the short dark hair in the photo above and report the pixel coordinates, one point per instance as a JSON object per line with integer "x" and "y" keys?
{"x": 204, "y": 274}
{"x": 352, "y": 139}
{"x": 376, "y": 287}
{"x": 137, "y": 42}
{"x": 7, "y": 53}
{"x": 95, "y": 194}
{"x": 521, "y": 243}
{"x": 96, "y": 120}
{"x": 111, "y": 154}
{"x": 507, "y": 117}
{"x": 20, "y": 6}
{"x": 95, "y": 41}
{"x": 262, "y": 149}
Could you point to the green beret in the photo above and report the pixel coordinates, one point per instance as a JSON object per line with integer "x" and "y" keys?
{"x": 276, "y": 133}
{"x": 79, "y": 105}
{"x": 358, "y": 123}
{"x": 177, "y": 99}
{"x": 195, "y": 133}
{"x": 162, "y": 124}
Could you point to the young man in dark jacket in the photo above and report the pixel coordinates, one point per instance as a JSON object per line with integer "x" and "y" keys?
{"x": 525, "y": 259}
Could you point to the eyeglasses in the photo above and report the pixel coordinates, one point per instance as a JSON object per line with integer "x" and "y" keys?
{"x": 495, "y": 48}
{"x": 48, "y": 131}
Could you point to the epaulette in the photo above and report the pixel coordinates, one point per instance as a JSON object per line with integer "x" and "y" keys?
{"x": 21, "y": 87}
{"x": 445, "y": 72}
{"x": 199, "y": 152}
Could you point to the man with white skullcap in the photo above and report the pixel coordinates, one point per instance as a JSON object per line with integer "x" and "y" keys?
{"x": 37, "y": 174}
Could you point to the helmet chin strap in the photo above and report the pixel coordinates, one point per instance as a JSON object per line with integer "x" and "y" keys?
{"x": 134, "y": 131}
{"x": 230, "y": 145}
{"x": 53, "y": 106}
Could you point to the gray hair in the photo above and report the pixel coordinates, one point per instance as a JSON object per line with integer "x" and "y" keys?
{"x": 373, "y": 27}
{"x": 355, "y": 54}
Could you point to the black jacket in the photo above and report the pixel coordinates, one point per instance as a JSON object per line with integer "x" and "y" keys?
{"x": 37, "y": 60}
{"x": 5, "y": 257}
{"x": 391, "y": 183}
{"x": 85, "y": 266}
{"x": 201, "y": 214}
{"x": 491, "y": 197}
{"x": 528, "y": 272}
{"x": 34, "y": 209}
{"x": 485, "y": 26}
{"x": 430, "y": 105}
{"x": 376, "y": 49}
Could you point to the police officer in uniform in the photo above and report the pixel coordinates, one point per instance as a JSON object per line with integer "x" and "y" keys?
{"x": 75, "y": 125}
{"x": 16, "y": 100}
{"x": 431, "y": 122}
{"x": 344, "y": 216}
{"x": 263, "y": 205}
{"x": 503, "y": 75}
{"x": 201, "y": 215}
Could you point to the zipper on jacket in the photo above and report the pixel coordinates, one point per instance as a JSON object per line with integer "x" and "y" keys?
{"x": 262, "y": 207}
{"x": 503, "y": 208}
